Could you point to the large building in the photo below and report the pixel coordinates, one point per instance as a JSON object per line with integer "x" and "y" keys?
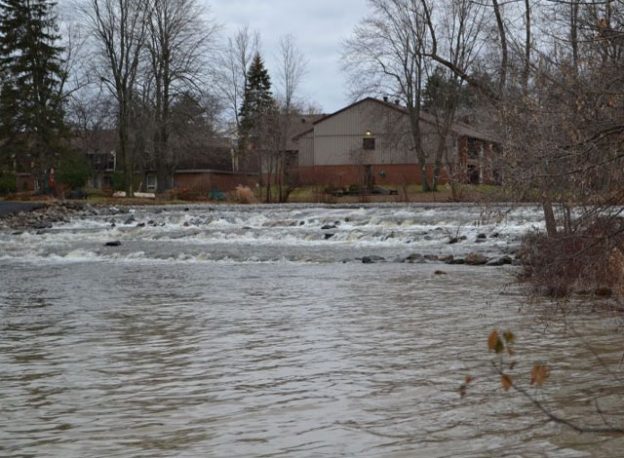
{"x": 370, "y": 142}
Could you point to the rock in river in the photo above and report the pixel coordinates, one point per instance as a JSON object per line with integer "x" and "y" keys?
{"x": 476, "y": 259}
{"x": 372, "y": 259}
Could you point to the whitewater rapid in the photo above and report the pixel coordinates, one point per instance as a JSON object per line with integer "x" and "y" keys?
{"x": 278, "y": 233}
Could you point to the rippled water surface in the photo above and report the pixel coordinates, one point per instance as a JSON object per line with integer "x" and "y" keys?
{"x": 251, "y": 331}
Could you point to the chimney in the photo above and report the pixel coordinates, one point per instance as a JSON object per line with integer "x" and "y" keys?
{"x": 385, "y": 98}
{"x": 397, "y": 102}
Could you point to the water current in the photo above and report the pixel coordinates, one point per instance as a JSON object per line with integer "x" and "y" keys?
{"x": 224, "y": 331}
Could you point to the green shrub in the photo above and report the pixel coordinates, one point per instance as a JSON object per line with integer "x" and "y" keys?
{"x": 119, "y": 181}
{"x": 73, "y": 170}
{"x": 8, "y": 184}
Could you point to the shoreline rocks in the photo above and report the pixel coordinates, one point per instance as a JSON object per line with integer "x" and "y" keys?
{"x": 44, "y": 217}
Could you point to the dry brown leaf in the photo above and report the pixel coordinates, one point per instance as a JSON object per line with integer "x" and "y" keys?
{"x": 509, "y": 337}
{"x": 506, "y": 382}
{"x": 539, "y": 374}
{"x": 493, "y": 340}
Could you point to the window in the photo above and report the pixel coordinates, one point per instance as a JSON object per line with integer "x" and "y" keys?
{"x": 151, "y": 183}
{"x": 368, "y": 143}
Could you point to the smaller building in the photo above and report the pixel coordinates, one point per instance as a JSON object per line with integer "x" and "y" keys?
{"x": 211, "y": 171}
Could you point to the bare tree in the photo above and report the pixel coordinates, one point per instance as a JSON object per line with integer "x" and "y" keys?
{"x": 462, "y": 22}
{"x": 231, "y": 76}
{"x": 119, "y": 30}
{"x": 178, "y": 42}
{"x": 386, "y": 56}
{"x": 291, "y": 70}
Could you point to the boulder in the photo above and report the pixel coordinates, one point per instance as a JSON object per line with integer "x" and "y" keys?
{"x": 476, "y": 259}
{"x": 414, "y": 258}
{"x": 504, "y": 261}
{"x": 372, "y": 259}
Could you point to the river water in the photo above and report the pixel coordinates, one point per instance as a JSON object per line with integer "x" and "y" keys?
{"x": 224, "y": 331}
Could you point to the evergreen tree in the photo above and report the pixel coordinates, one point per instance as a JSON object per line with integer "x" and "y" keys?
{"x": 256, "y": 112}
{"x": 31, "y": 113}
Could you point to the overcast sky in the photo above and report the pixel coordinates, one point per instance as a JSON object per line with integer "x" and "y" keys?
{"x": 319, "y": 28}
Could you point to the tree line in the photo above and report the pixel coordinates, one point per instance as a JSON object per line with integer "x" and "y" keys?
{"x": 157, "y": 73}
{"x": 545, "y": 75}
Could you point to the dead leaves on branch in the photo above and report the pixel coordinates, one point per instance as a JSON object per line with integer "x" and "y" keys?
{"x": 502, "y": 343}
{"x": 495, "y": 343}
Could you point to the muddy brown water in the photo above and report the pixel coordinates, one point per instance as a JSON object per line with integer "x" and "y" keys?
{"x": 247, "y": 333}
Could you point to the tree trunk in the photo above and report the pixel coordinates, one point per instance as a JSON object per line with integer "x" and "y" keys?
{"x": 268, "y": 179}
{"x": 424, "y": 180}
{"x": 437, "y": 169}
{"x": 549, "y": 217}
{"x": 503, "y": 42}
{"x": 124, "y": 154}
{"x": 527, "y": 48}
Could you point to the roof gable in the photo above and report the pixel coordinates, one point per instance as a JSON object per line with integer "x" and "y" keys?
{"x": 457, "y": 127}
{"x": 396, "y": 107}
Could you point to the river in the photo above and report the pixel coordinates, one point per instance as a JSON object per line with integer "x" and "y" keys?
{"x": 227, "y": 331}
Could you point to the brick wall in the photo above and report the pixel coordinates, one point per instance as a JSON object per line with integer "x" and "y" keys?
{"x": 345, "y": 175}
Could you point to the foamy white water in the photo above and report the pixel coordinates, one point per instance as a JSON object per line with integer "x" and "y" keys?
{"x": 276, "y": 233}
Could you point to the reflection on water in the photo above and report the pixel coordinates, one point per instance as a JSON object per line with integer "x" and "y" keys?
{"x": 302, "y": 359}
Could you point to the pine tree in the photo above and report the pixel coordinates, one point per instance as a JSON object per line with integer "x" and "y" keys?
{"x": 31, "y": 111}
{"x": 257, "y": 110}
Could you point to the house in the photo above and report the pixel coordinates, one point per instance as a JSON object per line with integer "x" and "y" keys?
{"x": 201, "y": 167}
{"x": 98, "y": 146}
{"x": 370, "y": 142}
